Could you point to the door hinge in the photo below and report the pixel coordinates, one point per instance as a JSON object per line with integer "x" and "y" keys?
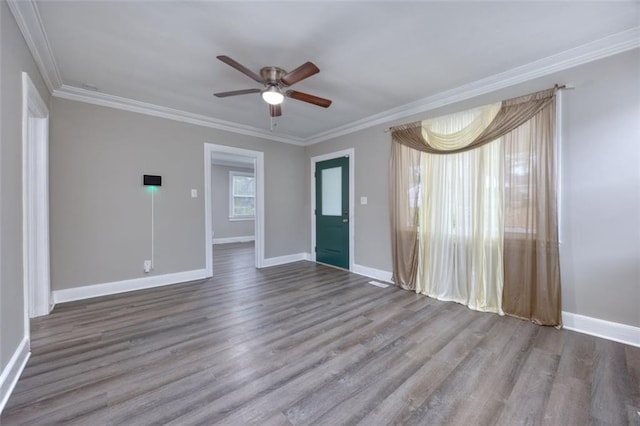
{"x": 315, "y": 249}
{"x": 315, "y": 211}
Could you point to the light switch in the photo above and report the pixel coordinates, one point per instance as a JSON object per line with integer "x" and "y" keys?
{"x": 363, "y": 200}
{"x": 194, "y": 193}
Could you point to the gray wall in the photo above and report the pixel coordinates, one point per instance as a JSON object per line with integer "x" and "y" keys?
{"x": 222, "y": 226}
{"x": 14, "y": 59}
{"x": 100, "y": 212}
{"x": 601, "y": 191}
{"x": 600, "y": 222}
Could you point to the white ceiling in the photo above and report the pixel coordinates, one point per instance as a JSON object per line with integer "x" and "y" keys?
{"x": 374, "y": 57}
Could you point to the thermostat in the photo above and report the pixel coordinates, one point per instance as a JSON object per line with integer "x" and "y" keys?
{"x": 152, "y": 180}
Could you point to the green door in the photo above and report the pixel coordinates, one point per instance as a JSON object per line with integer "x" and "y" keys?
{"x": 332, "y": 212}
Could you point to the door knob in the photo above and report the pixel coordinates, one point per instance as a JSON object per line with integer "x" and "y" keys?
{"x": 345, "y": 220}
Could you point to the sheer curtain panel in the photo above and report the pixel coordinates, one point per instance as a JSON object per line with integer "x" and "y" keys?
{"x": 460, "y": 228}
{"x": 531, "y": 258}
{"x": 404, "y": 193}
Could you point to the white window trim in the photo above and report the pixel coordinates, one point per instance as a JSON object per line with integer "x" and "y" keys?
{"x": 233, "y": 217}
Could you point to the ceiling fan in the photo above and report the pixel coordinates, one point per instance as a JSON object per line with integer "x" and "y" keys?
{"x": 275, "y": 81}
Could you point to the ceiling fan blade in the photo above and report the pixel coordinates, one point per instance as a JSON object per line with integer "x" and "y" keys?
{"x": 236, "y": 93}
{"x": 303, "y": 71}
{"x": 246, "y": 71}
{"x": 305, "y": 97}
{"x": 275, "y": 110}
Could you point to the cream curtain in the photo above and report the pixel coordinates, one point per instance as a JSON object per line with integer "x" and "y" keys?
{"x": 474, "y": 246}
{"x": 460, "y": 249}
{"x": 460, "y": 229}
{"x": 457, "y": 131}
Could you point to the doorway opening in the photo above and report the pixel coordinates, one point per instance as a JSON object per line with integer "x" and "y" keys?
{"x": 234, "y": 202}
{"x": 332, "y": 209}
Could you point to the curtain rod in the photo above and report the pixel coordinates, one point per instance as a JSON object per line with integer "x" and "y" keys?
{"x": 558, "y": 87}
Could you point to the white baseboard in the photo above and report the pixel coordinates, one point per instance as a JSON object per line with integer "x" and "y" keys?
{"x": 11, "y": 373}
{"x": 89, "y": 291}
{"x": 378, "y": 274}
{"x": 617, "y": 332}
{"x": 244, "y": 239}
{"x": 281, "y": 260}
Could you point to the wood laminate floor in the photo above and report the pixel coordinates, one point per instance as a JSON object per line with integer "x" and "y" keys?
{"x": 307, "y": 344}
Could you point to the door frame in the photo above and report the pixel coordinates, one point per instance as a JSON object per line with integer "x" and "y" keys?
{"x": 258, "y": 157}
{"x": 350, "y": 153}
{"x": 35, "y": 203}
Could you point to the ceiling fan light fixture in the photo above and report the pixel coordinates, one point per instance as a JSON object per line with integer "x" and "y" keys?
{"x": 272, "y": 95}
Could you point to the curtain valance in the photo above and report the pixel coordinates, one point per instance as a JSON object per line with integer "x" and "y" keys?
{"x": 486, "y": 124}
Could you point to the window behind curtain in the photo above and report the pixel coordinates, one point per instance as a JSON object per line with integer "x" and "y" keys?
{"x": 242, "y": 195}
{"x": 520, "y": 185}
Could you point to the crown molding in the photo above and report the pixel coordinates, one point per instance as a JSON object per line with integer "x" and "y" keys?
{"x": 28, "y": 19}
{"x": 30, "y": 24}
{"x": 126, "y": 104}
{"x": 599, "y": 49}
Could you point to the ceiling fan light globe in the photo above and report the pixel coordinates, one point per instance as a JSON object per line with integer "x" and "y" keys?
{"x": 272, "y": 96}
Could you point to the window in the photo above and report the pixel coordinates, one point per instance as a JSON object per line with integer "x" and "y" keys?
{"x": 520, "y": 182}
{"x": 242, "y": 196}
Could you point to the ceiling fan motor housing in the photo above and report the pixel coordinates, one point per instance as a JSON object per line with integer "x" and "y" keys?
{"x": 272, "y": 75}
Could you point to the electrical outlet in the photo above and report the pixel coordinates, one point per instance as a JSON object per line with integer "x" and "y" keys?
{"x": 194, "y": 193}
{"x": 147, "y": 266}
